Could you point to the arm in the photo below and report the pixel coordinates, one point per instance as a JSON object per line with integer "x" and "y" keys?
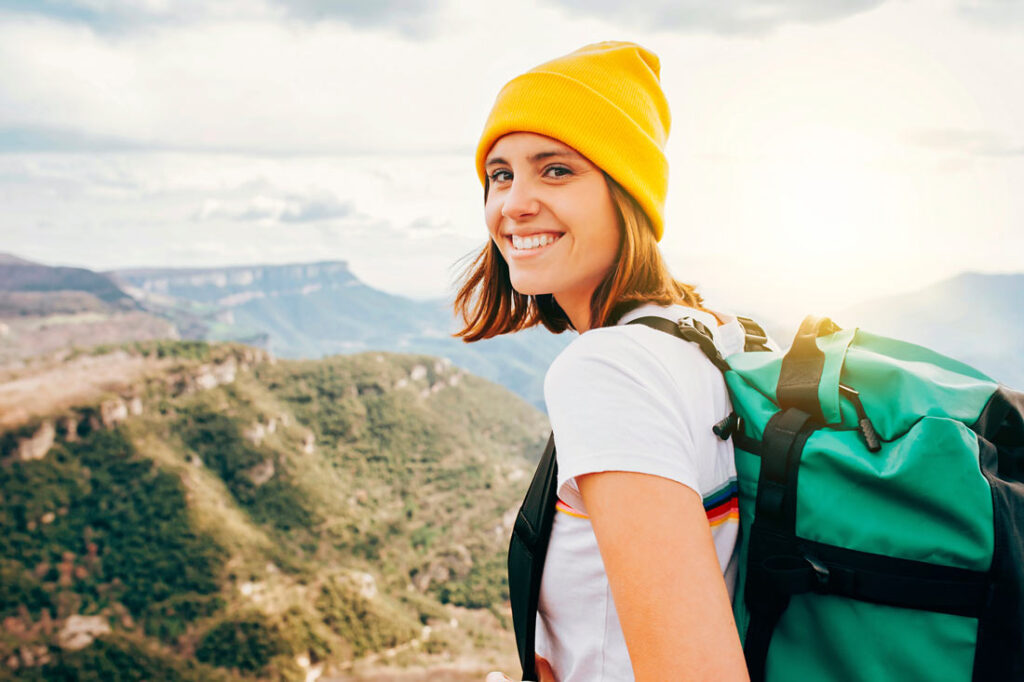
{"x": 664, "y": 575}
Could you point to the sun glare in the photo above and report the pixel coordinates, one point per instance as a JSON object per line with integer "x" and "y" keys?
{"x": 820, "y": 221}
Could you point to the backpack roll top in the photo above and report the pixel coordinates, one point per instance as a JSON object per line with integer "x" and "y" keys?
{"x": 881, "y": 512}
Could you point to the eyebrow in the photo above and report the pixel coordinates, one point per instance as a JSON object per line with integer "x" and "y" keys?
{"x": 535, "y": 158}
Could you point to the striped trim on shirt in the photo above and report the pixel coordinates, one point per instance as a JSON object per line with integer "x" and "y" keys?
{"x": 720, "y": 505}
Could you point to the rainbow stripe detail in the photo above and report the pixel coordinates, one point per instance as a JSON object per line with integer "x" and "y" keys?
{"x": 722, "y": 505}
{"x": 566, "y": 509}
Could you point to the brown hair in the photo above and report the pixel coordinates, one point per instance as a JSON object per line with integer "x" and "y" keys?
{"x": 489, "y": 306}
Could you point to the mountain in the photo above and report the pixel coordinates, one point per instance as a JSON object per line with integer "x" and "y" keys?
{"x": 11, "y": 259}
{"x": 306, "y": 309}
{"x": 302, "y": 310}
{"x": 18, "y": 276}
{"x": 976, "y": 318}
{"x": 318, "y": 309}
{"x": 179, "y": 510}
{"x": 46, "y": 309}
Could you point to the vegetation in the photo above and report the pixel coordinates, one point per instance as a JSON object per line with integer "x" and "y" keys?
{"x": 322, "y": 511}
{"x": 366, "y": 624}
{"x": 218, "y": 440}
{"x": 247, "y": 644}
{"x": 116, "y": 660}
{"x": 93, "y": 524}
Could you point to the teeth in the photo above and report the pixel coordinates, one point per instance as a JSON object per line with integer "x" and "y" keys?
{"x": 533, "y": 242}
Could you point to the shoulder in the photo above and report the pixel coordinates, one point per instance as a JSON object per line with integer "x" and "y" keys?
{"x": 631, "y": 358}
{"x": 607, "y": 351}
{"x": 623, "y": 398}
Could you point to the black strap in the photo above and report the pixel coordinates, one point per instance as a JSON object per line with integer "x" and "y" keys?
{"x": 880, "y": 579}
{"x": 701, "y": 337}
{"x": 782, "y": 444}
{"x": 802, "y": 367}
{"x": 526, "y": 552}
{"x": 772, "y": 535}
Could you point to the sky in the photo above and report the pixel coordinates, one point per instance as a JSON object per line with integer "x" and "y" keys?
{"x": 822, "y": 152}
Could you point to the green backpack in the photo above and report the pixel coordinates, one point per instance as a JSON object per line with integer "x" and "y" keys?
{"x": 881, "y": 496}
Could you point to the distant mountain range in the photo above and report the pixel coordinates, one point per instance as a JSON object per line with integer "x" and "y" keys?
{"x": 317, "y": 309}
{"x": 304, "y": 310}
{"x": 975, "y": 318}
{"x": 310, "y": 310}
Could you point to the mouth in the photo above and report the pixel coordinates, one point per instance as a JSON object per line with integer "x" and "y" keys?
{"x": 533, "y": 243}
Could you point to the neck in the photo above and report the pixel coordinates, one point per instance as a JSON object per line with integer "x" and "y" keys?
{"x": 577, "y": 307}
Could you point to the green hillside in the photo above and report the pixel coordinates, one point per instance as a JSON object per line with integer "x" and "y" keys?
{"x": 253, "y": 519}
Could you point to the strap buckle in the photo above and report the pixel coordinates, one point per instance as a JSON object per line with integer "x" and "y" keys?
{"x": 687, "y": 321}
{"x": 756, "y": 338}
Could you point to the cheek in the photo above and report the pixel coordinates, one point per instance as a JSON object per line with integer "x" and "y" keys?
{"x": 492, "y": 217}
{"x": 608, "y": 234}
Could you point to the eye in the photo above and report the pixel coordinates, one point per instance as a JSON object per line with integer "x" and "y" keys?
{"x": 498, "y": 175}
{"x": 557, "y": 171}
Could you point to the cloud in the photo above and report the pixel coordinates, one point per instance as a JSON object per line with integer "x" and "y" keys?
{"x": 279, "y": 209}
{"x": 256, "y": 87}
{"x": 968, "y": 142}
{"x": 726, "y": 17}
{"x": 997, "y": 13}
{"x": 423, "y": 226}
{"x": 124, "y": 15}
{"x": 48, "y": 139}
{"x": 412, "y": 18}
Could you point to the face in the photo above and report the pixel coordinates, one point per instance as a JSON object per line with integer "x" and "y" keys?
{"x": 551, "y": 214}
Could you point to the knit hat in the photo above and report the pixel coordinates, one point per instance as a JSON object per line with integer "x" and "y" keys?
{"x": 605, "y": 101}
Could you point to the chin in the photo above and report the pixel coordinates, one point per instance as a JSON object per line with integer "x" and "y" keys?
{"x": 528, "y": 288}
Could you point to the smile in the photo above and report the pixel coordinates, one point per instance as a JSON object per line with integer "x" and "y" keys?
{"x": 535, "y": 242}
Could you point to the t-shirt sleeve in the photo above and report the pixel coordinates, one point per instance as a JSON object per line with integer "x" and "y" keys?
{"x": 613, "y": 407}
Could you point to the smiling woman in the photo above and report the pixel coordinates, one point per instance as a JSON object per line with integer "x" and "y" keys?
{"x": 574, "y": 175}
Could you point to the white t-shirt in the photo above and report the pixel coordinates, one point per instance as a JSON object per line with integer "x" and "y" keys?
{"x": 628, "y": 398}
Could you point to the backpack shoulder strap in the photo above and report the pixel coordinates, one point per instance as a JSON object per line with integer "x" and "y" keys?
{"x": 526, "y": 552}
{"x": 688, "y": 330}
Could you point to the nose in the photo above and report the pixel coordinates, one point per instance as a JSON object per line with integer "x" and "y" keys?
{"x": 520, "y": 201}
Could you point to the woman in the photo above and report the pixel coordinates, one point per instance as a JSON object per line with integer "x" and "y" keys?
{"x": 638, "y": 573}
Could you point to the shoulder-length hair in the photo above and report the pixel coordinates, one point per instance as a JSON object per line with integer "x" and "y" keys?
{"x": 489, "y": 306}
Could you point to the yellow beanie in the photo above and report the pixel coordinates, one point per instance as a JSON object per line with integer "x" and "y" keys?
{"x": 603, "y": 100}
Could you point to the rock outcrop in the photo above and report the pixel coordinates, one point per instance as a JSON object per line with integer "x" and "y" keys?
{"x": 255, "y": 433}
{"x": 36, "y": 446}
{"x": 211, "y": 376}
{"x": 113, "y": 412}
{"x": 262, "y": 472}
{"x": 80, "y": 631}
